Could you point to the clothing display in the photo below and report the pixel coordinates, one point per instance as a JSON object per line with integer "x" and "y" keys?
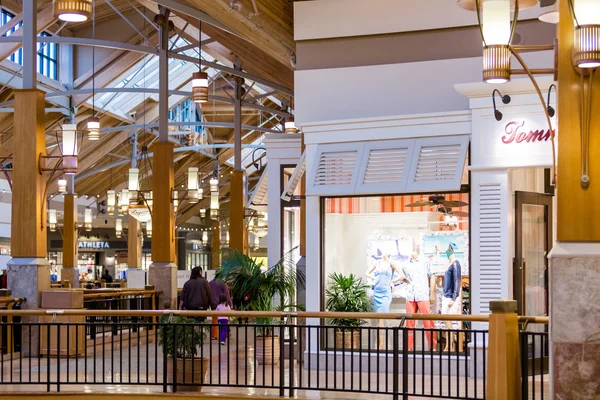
{"x": 417, "y": 274}
{"x": 452, "y": 278}
{"x": 424, "y": 308}
{"x": 382, "y": 287}
{"x": 455, "y": 308}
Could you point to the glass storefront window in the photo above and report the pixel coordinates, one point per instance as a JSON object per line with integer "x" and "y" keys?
{"x": 408, "y": 250}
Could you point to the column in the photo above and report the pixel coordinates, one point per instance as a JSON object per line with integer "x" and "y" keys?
{"x": 70, "y": 271}
{"x": 216, "y": 244}
{"x": 574, "y": 261}
{"x": 163, "y": 271}
{"x": 238, "y": 238}
{"x": 134, "y": 244}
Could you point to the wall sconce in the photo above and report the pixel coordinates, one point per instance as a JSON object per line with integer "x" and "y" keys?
{"x": 149, "y": 229}
{"x": 93, "y": 126}
{"x": 73, "y": 10}
{"x": 205, "y": 237}
{"x": 505, "y": 100}
{"x": 111, "y": 201}
{"x": 586, "y": 18}
{"x": 69, "y": 148}
{"x": 192, "y": 185}
{"x": 52, "y": 219}
{"x": 87, "y": 219}
{"x": 62, "y": 184}
{"x": 119, "y": 228}
{"x": 551, "y": 110}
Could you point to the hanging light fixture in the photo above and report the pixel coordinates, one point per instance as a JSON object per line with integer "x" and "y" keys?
{"x": 175, "y": 200}
{"x": 289, "y": 125}
{"x": 205, "y": 237}
{"x": 52, "y": 219}
{"x": 192, "y": 185}
{"x": 214, "y": 205}
{"x": 93, "y": 126}
{"x": 124, "y": 202}
{"x": 69, "y": 148}
{"x": 256, "y": 242}
{"x": 73, "y": 10}
{"x": 200, "y": 79}
{"x": 111, "y": 201}
{"x": 203, "y": 213}
{"x": 118, "y": 227}
{"x": 497, "y": 30}
{"x": 87, "y": 219}
{"x": 133, "y": 184}
{"x": 586, "y": 17}
{"x": 214, "y": 184}
{"x": 227, "y": 238}
{"x": 149, "y": 229}
{"x": 62, "y": 184}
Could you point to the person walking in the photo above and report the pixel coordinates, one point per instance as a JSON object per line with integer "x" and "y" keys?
{"x": 219, "y": 288}
{"x": 107, "y": 277}
{"x": 196, "y": 294}
{"x": 223, "y": 321}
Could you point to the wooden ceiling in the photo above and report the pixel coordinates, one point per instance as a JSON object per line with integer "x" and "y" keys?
{"x": 264, "y": 44}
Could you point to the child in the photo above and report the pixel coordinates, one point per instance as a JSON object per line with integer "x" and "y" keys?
{"x": 223, "y": 321}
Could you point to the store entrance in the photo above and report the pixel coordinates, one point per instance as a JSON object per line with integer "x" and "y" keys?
{"x": 533, "y": 220}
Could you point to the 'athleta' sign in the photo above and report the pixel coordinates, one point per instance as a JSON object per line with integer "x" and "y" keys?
{"x": 514, "y": 132}
{"x": 93, "y": 245}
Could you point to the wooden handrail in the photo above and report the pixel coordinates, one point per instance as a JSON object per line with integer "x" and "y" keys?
{"x": 87, "y": 296}
{"x": 11, "y": 300}
{"x": 268, "y": 314}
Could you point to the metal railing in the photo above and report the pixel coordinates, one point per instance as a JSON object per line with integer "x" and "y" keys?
{"x": 370, "y": 359}
{"x": 9, "y": 339}
{"x": 535, "y": 355}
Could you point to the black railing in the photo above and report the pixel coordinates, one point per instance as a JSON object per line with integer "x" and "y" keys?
{"x": 117, "y": 301}
{"x": 535, "y": 355}
{"x": 322, "y": 358}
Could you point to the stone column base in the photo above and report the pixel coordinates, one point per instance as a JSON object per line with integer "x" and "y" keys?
{"x": 27, "y": 278}
{"x": 575, "y": 321}
{"x": 164, "y": 278}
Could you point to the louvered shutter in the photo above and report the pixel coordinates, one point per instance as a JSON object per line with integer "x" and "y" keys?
{"x": 335, "y": 169}
{"x": 294, "y": 181}
{"x": 438, "y": 164}
{"x": 384, "y": 167}
{"x": 258, "y": 201}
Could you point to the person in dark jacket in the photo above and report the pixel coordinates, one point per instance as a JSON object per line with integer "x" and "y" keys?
{"x": 107, "y": 277}
{"x": 196, "y": 293}
{"x": 219, "y": 288}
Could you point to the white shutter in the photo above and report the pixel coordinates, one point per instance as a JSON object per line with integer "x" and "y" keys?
{"x": 258, "y": 201}
{"x": 490, "y": 244}
{"x": 294, "y": 181}
{"x": 335, "y": 169}
{"x": 385, "y": 166}
{"x": 438, "y": 164}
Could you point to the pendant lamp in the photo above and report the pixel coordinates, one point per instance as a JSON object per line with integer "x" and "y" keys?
{"x": 586, "y": 15}
{"x": 69, "y": 148}
{"x": 87, "y": 219}
{"x": 200, "y": 79}
{"x": 93, "y": 127}
{"x": 496, "y": 29}
{"x": 73, "y": 10}
{"x": 52, "y": 219}
{"x": 62, "y": 184}
{"x": 119, "y": 228}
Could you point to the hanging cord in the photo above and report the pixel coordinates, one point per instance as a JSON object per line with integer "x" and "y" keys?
{"x": 584, "y": 121}
{"x": 200, "y": 46}
{"x": 94, "y": 59}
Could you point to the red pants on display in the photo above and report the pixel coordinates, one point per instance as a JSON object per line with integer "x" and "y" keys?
{"x": 423, "y": 308}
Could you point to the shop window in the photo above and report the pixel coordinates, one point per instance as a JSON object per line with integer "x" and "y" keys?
{"x": 47, "y": 59}
{"x": 382, "y": 239}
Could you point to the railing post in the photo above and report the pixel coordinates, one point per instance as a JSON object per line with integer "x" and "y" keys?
{"x": 395, "y": 361}
{"x": 405, "y": 363}
{"x": 504, "y": 361}
{"x": 281, "y": 360}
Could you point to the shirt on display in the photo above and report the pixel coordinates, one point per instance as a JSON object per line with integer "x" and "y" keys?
{"x": 417, "y": 272}
{"x": 452, "y": 277}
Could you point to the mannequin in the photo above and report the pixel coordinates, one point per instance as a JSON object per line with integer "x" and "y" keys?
{"x": 451, "y": 300}
{"x": 381, "y": 272}
{"x": 419, "y": 296}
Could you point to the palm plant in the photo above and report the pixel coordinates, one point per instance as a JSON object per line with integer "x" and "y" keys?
{"x": 347, "y": 294}
{"x": 247, "y": 278}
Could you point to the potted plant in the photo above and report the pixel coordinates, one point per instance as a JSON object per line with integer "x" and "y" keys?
{"x": 347, "y": 294}
{"x": 179, "y": 338}
{"x": 253, "y": 288}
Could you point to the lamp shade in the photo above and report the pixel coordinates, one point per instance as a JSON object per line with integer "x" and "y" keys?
{"x": 93, "y": 127}
{"x": 192, "y": 178}
{"x": 586, "y": 44}
{"x": 87, "y": 219}
{"x": 52, "y": 219}
{"x": 124, "y": 202}
{"x": 200, "y": 87}
{"x": 69, "y": 148}
{"x": 587, "y": 12}
{"x": 134, "y": 180}
{"x": 119, "y": 227}
{"x": 203, "y": 213}
{"x": 214, "y": 184}
{"x": 111, "y": 198}
{"x": 149, "y": 228}
{"x": 495, "y": 21}
{"x": 73, "y": 10}
{"x": 205, "y": 237}
{"x": 290, "y": 125}
{"x": 214, "y": 205}
{"x": 62, "y": 184}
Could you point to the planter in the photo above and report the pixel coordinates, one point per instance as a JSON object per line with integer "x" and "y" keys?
{"x": 199, "y": 366}
{"x": 347, "y": 339}
{"x": 267, "y": 350}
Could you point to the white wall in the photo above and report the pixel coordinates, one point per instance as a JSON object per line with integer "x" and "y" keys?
{"x": 392, "y": 89}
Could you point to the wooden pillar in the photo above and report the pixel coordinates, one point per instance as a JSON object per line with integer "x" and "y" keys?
{"x": 134, "y": 244}
{"x": 163, "y": 271}
{"x": 504, "y": 361}
{"x": 70, "y": 271}
{"x": 216, "y": 244}
{"x": 574, "y": 260}
{"x": 237, "y": 212}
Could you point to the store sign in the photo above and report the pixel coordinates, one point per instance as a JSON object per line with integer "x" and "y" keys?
{"x": 93, "y": 245}
{"x": 517, "y": 132}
